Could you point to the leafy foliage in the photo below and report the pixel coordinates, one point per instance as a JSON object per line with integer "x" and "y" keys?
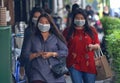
{"x": 109, "y": 24}
{"x": 112, "y": 37}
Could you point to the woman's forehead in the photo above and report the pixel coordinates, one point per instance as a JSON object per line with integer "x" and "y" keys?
{"x": 44, "y": 20}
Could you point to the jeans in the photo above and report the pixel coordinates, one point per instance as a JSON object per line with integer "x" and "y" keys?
{"x": 81, "y": 77}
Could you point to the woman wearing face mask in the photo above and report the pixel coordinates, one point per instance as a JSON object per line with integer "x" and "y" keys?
{"x": 35, "y": 13}
{"x": 46, "y": 44}
{"x": 82, "y": 41}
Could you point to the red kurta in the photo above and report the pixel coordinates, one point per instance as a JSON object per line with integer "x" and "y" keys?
{"x": 79, "y": 56}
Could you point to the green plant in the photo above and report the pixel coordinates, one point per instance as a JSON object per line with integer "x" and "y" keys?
{"x": 112, "y": 36}
{"x": 113, "y": 48}
{"x": 109, "y": 24}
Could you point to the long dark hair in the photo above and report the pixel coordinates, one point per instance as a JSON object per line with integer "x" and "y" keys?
{"x": 53, "y": 29}
{"x": 87, "y": 28}
{"x": 34, "y": 10}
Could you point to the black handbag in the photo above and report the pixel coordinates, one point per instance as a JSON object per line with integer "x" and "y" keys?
{"x": 59, "y": 69}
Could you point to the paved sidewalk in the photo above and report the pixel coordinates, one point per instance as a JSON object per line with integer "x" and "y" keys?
{"x": 68, "y": 80}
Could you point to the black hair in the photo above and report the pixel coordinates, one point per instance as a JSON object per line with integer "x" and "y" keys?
{"x": 88, "y": 6}
{"x": 67, "y": 6}
{"x": 48, "y": 10}
{"x": 34, "y": 10}
{"x": 74, "y": 7}
{"x": 87, "y": 28}
{"x": 89, "y": 12}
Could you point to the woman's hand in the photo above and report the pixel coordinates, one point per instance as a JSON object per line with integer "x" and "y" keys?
{"x": 35, "y": 55}
{"x": 49, "y": 54}
{"x": 43, "y": 54}
{"x": 93, "y": 47}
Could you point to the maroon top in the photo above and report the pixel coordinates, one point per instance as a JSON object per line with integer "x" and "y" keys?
{"x": 79, "y": 56}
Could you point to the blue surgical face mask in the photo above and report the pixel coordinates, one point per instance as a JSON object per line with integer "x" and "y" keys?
{"x": 79, "y": 22}
{"x": 34, "y": 20}
{"x": 43, "y": 27}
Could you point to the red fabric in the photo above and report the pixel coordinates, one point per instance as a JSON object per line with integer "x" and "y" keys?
{"x": 65, "y": 32}
{"x": 79, "y": 56}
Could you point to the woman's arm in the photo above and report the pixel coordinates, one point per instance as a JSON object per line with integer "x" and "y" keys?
{"x": 25, "y": 51}
{"x": 96, "y": 42}
{"x": 62, "y": 48}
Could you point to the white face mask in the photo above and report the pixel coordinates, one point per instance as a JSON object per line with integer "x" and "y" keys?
{"x": 34, "y": 20}
{"x": 43, "y": 27}
{"x": 79, "y": 22}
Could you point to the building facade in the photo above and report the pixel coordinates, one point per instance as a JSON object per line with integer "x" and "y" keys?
{"x": 20, "y": 9}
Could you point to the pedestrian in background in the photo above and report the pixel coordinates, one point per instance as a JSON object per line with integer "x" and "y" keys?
{"x": 89, "y": 12}
{"x": 106, "y": 11}
{"x": 68, "y": 15}
{"x": 34, "y": 14}
{"x": 74, "y": 7}
{"x": 46, "y": 44}
{"x": 82, "y": 41}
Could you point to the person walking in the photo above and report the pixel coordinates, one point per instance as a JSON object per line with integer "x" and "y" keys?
{"x": 47, "y": 43}
{"x": 67, "y": 7}
{"x": 82, "y": 41}
{"x": 106, "y": 11}
{"x": 34, "y": 14}
{"x": 74, "y": 7}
